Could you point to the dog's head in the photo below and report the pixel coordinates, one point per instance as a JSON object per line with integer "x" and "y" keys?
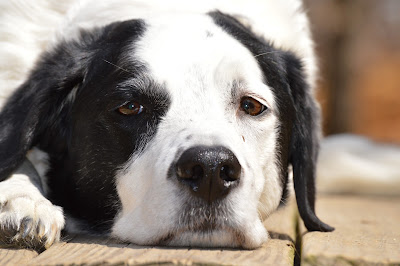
{"x": 175, "y": 131}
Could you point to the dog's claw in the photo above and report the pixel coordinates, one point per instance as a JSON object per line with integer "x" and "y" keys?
{"x": 26, "y": 227}
{"x": 52, "y": 237}
{"x": 40, "y": 230}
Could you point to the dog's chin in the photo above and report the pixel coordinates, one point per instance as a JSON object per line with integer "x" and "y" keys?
{"x": 212, "y": 232}
{"x": 250, "y": 235}
{"x": 216, "y": 238}
{"x": 196, "y": 224}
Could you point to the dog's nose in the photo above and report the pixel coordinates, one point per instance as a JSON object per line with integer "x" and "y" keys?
{"x": 209, "y": 172}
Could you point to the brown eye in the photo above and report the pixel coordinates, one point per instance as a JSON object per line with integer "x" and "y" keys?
{"x": 251, "y": 106}
{"x": 131, "y": 108}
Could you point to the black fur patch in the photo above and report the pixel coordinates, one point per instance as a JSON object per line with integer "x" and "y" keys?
{"x": 68, "y": 108}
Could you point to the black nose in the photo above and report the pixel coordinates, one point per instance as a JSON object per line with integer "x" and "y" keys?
{"x": 209, "y": 172}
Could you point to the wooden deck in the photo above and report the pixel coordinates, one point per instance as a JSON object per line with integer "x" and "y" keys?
{"x": 367, "y": 233}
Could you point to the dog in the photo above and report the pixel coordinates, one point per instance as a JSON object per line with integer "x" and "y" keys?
{"x": 157, "y": 122}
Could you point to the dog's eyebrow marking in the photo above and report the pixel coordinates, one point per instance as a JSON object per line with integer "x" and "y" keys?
{"x": 123, "y": 69}
{"x": 145, "y": 86}
{"x": 140, "y": 83}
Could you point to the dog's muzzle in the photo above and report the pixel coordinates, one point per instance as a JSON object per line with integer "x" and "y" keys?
{"x": 209, "y": 173}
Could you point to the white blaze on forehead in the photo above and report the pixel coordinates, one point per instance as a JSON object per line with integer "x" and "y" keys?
{"x": 190, "y": 50}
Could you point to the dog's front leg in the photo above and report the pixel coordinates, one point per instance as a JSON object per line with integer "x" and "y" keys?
{"x": 27, "y": 218}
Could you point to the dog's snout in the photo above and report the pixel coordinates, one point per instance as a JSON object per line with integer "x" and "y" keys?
{"x": 209, "y": 172}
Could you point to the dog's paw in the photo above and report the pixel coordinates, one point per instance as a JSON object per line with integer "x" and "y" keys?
{"x": 29, "y": 223}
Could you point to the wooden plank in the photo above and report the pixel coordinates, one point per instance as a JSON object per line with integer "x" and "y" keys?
{"x": 367, "y": 232}
{"x": 16, "y": 256}
{"x": 93, "y": 251}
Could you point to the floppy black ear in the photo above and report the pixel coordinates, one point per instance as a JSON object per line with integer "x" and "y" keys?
{"x": 304, "y": 144}
{"x": 37, "y": 106}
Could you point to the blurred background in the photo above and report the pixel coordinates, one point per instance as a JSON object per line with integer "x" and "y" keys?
{"x": 358, "y": 45}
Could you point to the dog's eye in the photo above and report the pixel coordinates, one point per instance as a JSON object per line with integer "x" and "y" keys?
{"x": 251, "y": 106}
{"x": 131, "y": 108}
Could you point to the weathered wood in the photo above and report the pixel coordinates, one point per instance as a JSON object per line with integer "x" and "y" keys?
{"x": 16, "y": 256}
{"x": 279, "y": 250}
{"x": 367, "y": 232}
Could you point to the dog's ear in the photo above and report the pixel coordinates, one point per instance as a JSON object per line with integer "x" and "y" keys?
{"x": 304, "y": 144}
{"x": 37, "y": 105}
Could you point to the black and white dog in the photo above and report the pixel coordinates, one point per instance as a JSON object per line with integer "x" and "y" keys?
{"x": 157, "y": 122}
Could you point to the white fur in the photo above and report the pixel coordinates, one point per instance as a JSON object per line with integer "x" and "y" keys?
{"x": 26, "y": 27}
{"x": 40, "y": 160}
{"x": 20, "y": 200}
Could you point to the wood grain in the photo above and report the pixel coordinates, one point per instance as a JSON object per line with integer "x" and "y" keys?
{"x": 16, "y": 256}
{"x": 367, "y": 232}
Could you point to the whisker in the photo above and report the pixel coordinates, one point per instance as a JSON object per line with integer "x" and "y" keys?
{"x": 266, "y": 53}
{"x": 127, "y": 71}
{"x": 284, "y": 201}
